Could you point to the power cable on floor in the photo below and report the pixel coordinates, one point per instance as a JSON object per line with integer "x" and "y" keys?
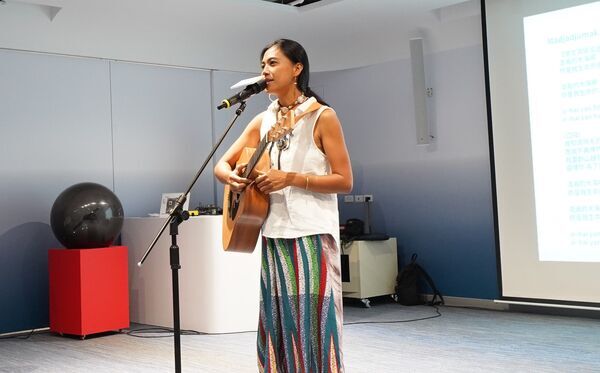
{"x": 437, "y": 311}
{"x": 157, "y": 332}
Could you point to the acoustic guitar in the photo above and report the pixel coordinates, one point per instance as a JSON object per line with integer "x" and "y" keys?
{"x": 245, "y": 212}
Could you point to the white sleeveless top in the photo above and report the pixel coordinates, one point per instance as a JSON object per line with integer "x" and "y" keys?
{"x": 295, "y": 212}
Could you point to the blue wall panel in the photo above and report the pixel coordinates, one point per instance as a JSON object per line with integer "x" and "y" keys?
{"x": 137, "y": 129}
{"x": 162, "y": 133}
{"x": 56, "y": 131}
{"x": 144, "y": 130}
{"x": 436, "y": 199}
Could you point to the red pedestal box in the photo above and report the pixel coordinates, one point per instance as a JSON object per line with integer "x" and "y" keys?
{"x": 88, "y": 290}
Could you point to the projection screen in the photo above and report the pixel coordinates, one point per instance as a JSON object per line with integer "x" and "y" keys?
{"x": 543, "y": 69}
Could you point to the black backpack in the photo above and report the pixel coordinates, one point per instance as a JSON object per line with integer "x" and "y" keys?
{"x": 407, "y": 285}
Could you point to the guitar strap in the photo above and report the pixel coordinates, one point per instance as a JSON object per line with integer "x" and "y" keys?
{"x": 295, "y": 115}
{"x": 289, "y": 121}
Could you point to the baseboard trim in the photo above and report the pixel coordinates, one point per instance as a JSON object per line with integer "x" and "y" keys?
{"x": 487, "y": 304}
{"x": 495, "y": 305}
{"x": 550, "y": 305}
{"x": 23, "y": 332}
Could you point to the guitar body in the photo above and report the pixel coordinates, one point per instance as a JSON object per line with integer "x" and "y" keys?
{"x": 244, "y": 213}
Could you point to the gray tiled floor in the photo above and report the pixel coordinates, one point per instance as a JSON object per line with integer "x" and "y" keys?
{"x": 462, "y": 340}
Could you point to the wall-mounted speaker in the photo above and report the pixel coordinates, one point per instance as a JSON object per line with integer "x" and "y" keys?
{"x": 419, "y": 92}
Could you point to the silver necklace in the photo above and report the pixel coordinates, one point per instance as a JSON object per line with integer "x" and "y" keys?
{"x": 284, "y": 142}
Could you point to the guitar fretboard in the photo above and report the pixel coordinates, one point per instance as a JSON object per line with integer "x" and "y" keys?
{"x": 256, "y": 156}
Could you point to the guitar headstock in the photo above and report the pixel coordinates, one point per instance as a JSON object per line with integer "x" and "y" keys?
{"x": 279, "y": 130}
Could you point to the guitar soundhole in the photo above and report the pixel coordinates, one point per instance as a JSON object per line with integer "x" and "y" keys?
{"x": 234, "y": 204}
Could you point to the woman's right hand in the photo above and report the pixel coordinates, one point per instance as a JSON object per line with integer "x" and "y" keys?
{"x": 235, "y": 181}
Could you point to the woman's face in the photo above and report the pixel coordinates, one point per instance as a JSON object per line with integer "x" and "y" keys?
{"x": 279, "y": 72}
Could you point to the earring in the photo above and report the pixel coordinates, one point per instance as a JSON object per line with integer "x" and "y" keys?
{"x": 272, "y": 99}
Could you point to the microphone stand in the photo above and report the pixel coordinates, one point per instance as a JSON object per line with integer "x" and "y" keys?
{"x": 176, "y": 217}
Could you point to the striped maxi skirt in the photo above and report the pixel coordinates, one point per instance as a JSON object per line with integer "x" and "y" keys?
{"x": 300, "y": 318}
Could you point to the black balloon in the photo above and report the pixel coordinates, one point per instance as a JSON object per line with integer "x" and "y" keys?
{"x": 86, "y": 215}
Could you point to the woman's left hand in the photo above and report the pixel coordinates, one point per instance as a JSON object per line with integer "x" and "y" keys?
{"x": 271, "y": 181}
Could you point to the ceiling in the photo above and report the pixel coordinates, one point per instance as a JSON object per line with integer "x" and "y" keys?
{"x": 229, "y": 34}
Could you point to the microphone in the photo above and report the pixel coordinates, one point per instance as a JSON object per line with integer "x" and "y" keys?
{"x": 250, "y": 90}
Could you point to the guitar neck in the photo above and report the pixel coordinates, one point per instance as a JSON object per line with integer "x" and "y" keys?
{"x": 256, "y": 156}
